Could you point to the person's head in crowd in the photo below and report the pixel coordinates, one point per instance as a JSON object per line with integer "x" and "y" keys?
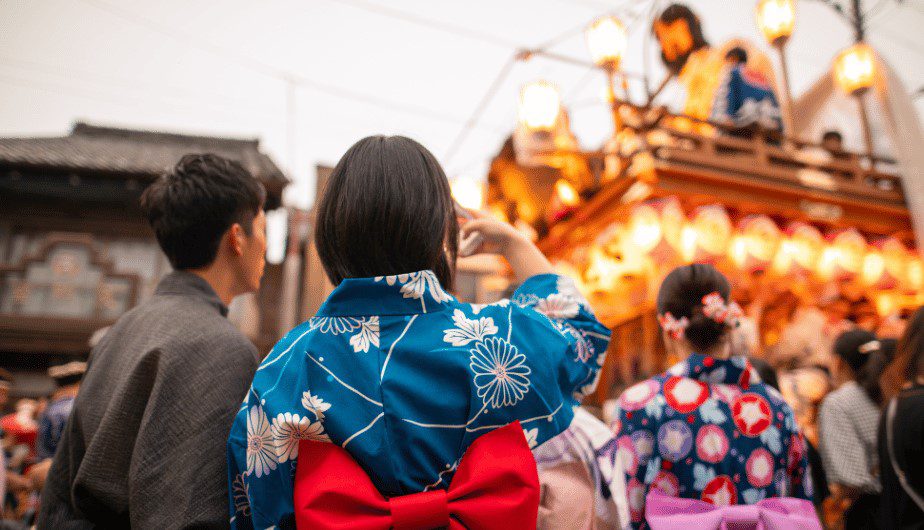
{"x": 68, "y": 375}
{"x": 387, "y": 210}
{"x": 736, "y": 56}
{"x": 858, "y": 356}
{"x": 679, "y": 33}
{"x": 832, "y": 141}
{"x": 695, "y": 311}
{"x": 207, "y": 214}
{"x": 907, "y": 367}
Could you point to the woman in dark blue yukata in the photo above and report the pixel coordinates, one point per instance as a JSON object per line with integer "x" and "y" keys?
{"x": 708, "y": 428}
{"x": 393, "y": 368}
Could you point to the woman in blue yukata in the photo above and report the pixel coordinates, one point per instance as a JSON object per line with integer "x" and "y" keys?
{"x": 708, "y": 428}
{"x": 393, "y": 368}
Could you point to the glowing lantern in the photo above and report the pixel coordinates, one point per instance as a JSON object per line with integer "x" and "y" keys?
{"x": 776, "y": 19}
{"x": 468, "y": 193}
{"x": 654, "y": 228}
{"x": 855, "y": 68}
{"x": 540, "y": 106}
{"x": 887, "y": 304}
{"x": 884, "y": 264}
{"x": 755, "y": 247}
{"x": 606, "y": 41}
{"x": 712, "y": 229}
{"x": 914, "y": 275}
{"x": 844, "y": 258}
{"x": 800, "y": 250}
{"x": 566, "y": 193}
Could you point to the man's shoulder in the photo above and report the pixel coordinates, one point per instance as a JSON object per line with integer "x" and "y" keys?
{"x": 179, "y": 323}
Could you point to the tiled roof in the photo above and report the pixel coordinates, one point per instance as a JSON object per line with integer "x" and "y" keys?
{"x": 132, "y": 152}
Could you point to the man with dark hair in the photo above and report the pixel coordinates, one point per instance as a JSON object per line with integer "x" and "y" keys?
{"x": 145, "y": 444}
{"x": 736, "y": 56}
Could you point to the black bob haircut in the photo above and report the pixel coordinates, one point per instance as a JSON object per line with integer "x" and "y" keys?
{"x": 387, "y": 209}
{"x": 192, "y": 205}
{"x": 681, "y": 295}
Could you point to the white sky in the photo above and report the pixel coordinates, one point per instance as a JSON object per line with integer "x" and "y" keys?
{"x": 412, "y": 67}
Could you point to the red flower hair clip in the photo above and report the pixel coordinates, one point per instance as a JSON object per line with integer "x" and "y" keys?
{"x": 715, "y": 307}
{"x": 673, "y": 326}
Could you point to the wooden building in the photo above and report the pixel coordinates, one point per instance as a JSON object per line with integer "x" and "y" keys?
{"x": 75, "y": 252}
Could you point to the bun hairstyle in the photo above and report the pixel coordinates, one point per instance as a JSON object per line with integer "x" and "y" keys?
{"x": 682, "y": 307}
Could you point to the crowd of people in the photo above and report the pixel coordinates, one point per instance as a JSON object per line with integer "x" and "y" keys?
{"x": 398, "y": 405}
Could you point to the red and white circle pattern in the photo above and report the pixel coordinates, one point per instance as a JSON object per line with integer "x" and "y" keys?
{"x": 637, "y": 396}
{"x": 625, "y": 454}
{"x": 720, "y": 491}
{"x": 752, "y": 414}
{"x": 685, "y": 395}
{"x": 711, "y": 444}
{"x": 760, "y": 468}
{"x": 667, "y": 483}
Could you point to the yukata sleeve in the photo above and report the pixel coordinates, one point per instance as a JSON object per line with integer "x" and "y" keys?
{"x": 585, "y": 340}
{"x": 238, "y": 502}
{"x": 635, "y": 420}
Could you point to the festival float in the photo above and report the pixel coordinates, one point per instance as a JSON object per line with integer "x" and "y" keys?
{"x": 791, "y": 223}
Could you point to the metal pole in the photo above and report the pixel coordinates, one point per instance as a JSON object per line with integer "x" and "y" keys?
{"x": 788, "y": 125}
{"x": 864, "y": 121}
{"x": 613, "y": 100}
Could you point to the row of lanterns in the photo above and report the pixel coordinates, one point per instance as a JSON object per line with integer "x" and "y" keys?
{"x": 606, "y": 37}
{"x": 660, "y": 230}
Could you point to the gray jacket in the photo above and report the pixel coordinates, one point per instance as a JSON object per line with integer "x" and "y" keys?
{"x": 145, "y": 444}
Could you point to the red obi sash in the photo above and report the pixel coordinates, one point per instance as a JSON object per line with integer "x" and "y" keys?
{"x": 496, "y": 485}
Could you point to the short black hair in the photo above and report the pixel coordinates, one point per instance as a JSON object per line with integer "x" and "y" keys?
{"x": 737, "y": 53}
{"x": 832, "y": 135}
{"x": 387, "y": 210}
{"x": 193, "y": 204}
{"x": 681, "y": 294}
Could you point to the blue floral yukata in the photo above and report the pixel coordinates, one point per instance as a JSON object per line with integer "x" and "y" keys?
{"x": 405, "y": 378}
{"x": 708, "y": 429}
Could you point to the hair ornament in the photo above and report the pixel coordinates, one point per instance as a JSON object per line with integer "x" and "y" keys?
{"x": 673, "y": 326}
{"x": 715, "y": 307}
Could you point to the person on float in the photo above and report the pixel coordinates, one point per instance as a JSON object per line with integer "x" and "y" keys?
{"x": 398, "y": 391}
{"x": 708, "y": 428}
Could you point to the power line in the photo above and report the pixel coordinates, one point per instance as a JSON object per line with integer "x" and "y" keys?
{"x": 479, "y": 109}
{"x": 275, "y": 72}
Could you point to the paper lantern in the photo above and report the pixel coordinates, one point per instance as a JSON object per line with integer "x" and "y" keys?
{"x": 843, "y": 258}
{"x": 884, "y": 264}
{"x": 914, "y": 275}
{"x": 706, "y": 237}
{"x": 654, "y": 228}
{"x": 607, "y": 41}
{"x": 776, "y": 19}
{"x": 799, "y": 250}
{"x": 855, "y": 68}
{"x": 566, "y": 193}
{"x": 540, "y": 105}
{"x": 755, "y": 246}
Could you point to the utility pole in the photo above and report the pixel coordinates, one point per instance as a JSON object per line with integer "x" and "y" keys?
{"x": 859, "y": 26}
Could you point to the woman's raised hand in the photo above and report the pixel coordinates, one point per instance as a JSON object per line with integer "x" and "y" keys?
{"x": 486, "y": 235}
